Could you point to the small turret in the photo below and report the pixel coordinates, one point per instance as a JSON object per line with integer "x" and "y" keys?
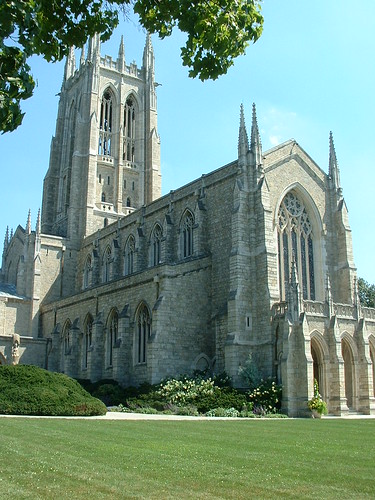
{"x": 121, "y": 56}
{"x": 334, "y": 171}
{"x": 243, "y": 140}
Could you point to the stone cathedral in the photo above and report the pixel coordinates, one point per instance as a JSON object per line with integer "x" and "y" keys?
{"x": 119, "y": 282}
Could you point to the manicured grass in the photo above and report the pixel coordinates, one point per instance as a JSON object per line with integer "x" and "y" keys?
{"x": 95, "y": 459}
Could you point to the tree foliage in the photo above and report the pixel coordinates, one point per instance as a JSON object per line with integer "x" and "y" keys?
{"x": 217, "y": 32}
{"x": 366, "y": 293}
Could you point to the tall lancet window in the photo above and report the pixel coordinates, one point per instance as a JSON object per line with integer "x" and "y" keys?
{"x": 143, "y": 332}
{"x": 187, "y": 225}
{"x": 129, "y": 131}
{"x": 105, "y": 124}
{"x": 155, "y": 242}
{"x": 129, "y": 256}
{"x": 295, "y": 238}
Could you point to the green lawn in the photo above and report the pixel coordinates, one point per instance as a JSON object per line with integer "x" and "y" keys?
{"x": 92, "y": 459}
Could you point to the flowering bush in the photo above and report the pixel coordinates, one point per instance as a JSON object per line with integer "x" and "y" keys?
{"x": 316, "y": 403}
{"x": 186, "y": 390}
{"x": 266, "y": 398}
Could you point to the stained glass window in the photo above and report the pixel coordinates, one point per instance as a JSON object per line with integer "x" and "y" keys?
{"x": 295, "y": 240}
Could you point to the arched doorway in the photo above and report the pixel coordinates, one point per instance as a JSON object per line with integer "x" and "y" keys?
{"x": 318, "y": 366}
{"x": 347, "y": 355}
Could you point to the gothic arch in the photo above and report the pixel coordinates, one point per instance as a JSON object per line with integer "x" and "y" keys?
{"x": 107, "y": 264}
{"x": 86, "y": 339}
{"x": 202, "y": 363}
{"x": 350, "y": 357}
{"x": 129, "y": 255}
{"x": 3, "y": 360}
{"x": 66, "y": 344}
{"x": 186, "y": 230}
{"x": 320, "y": 357}
{"x": 107, "y": 120}
{"x": 142, "y": 321}
{"x": 130, "y": 123}
{"x": 111, "y": 335}
{"x": 87, "y": 271}
{"x": 298, "y": 229}
{"x": 155, "y": 244}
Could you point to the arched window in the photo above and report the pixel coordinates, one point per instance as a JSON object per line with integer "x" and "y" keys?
{"x": 103, "y": 197}
{"x": 66, "y": 335}
{"x": 107, "y": 265}
{"x": 105, "y": 124}
{"x": 187, "y": 224}
{"x": 112, "y": 336}
{"x": 143, "y": 325}
{"x": 87, "y": 272}
{"x": 87, "y": 339}
{"x": 128, "y": 202}
{"x": 129, "y": 256}
{"x": 156, "y": 237}
{"x": 129, "y": 131}
{"x": 295, "y": 238}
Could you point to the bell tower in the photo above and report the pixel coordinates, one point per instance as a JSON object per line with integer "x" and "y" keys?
{"x": 105, "y": 155}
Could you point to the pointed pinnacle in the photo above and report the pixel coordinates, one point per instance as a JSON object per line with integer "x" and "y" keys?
{"x": 28, "y": 223}
{"x": 38, "y": 224}
{"x": 243, "y": 140}
{"x": 6, "y": 239}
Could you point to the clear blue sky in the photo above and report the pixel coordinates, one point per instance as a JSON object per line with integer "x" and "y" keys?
{"x": 312, "y": 71}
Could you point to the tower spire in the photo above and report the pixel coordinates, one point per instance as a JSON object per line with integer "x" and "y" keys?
{"x": 121, "y": 56}
{"x": 243, "y": 140}
{"x": 334, "y": 171}
{"x": 256, "y": 144}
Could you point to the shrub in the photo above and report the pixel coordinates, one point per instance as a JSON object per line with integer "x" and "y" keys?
{"x": 266, "y": 398}
{"x": 223, "y": 412}
{"x": 226, "y": 397}
{"x": 29, "y": 390}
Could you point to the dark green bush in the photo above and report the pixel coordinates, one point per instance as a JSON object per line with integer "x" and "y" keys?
{"x": 29, "y": 390}
{"x": 225, "y": 397}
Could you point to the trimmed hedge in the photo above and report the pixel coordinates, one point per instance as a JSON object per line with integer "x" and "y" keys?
{"x": 29, "y": 390}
